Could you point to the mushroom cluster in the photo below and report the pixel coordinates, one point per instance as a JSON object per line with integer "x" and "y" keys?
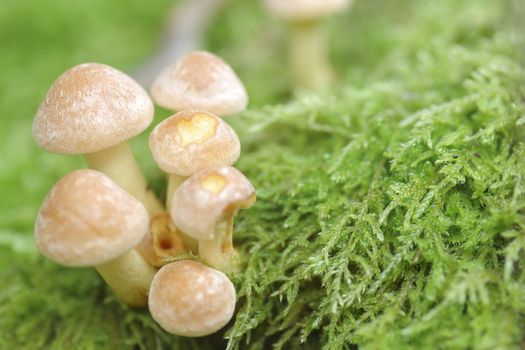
{"x": 173, "y": 257}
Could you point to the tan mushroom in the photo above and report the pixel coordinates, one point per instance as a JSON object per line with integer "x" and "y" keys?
{"x": 190, "y": 299}
{"x": 191, "y": 141}
{"x": 308, "y": 52}
{"x": 93, "y": 109}
{"x": 203, "y": 207}
{"x": 88, "y": 220}
{"x": 162, "y": 242}
{"x": 200, "y": 81}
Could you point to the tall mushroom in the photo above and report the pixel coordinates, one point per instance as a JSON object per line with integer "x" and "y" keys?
{"x": 203, "y": 207}
{"x": 190, "y": 299}
{"x": 308, "y": 52}
{"x": 200, "y": 81}
{"x": 93, "y": 109}
{"x": 88, "y": 220}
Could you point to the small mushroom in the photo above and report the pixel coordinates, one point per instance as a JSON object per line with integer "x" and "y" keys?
{"x": 308, "y": 52}
{"x": 88, "y": 220}
{"x": 93, "y": 109}
{"x": 162, "y": 242}
{"x": 190, "y": 141}
{"x": 190, "y": 299}
{"x": 203, "y": 207}
{"x": 200, "y": 81}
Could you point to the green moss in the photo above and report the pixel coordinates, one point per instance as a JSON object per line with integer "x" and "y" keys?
{"x": 390, "y": 210}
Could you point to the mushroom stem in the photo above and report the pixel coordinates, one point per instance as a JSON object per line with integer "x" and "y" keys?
{"x": 308, "y": 55}
{"x": 219, "y": 252}
{"x": 129, "y": 276}
{"x": 119, "y": 164}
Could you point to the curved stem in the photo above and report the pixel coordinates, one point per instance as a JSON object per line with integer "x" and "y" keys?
{"x": 219, "y": 252}
{"x": 129, "y": 276}
{"x": 309, "y": 57}
{"x": 120, "y": 165}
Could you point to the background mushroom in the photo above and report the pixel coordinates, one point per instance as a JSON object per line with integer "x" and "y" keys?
{"x": 200, "y": 81}
{"x": 190, "y": 299}
{"x": 88, "y": 220}
{"x": 308, "y": 48}
{"x": 204, "y": 206}
{"x": 93, "y": 109}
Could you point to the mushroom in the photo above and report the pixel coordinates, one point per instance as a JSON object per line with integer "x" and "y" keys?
{"x": 189, "y": 299}
{"x": 200, "y": 81}
{"x": 93, "y": 109}
{"x": 308, "y": 53}
{"x": 203, "y": 207}
{"x": 190, "y": 141}
{"x": 162, "y": 242}
{"x": 88, "y": 220}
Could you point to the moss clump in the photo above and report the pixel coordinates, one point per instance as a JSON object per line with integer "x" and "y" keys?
{"x": 390, "y": 216}
{"x": 390, "y": 212}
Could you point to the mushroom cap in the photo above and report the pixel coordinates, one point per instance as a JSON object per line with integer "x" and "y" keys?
{"x": 303, "y": 10}
{"x": 91, "y": 107}
{"x": 87, "y": 219}
{"x": 209, "y": 197}
{"x": 190, "y": 299}
{"x": 200, "y": 81}
{"x": 190, "y": 141}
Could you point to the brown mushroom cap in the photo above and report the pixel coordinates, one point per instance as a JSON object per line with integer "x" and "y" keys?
{"x": 190, "y": 299}
{"x": 87, "y": 219}
{"x": 200, "y": 81}
{"x": 191, "y": 141}
{"x": 209, "y": 197}
{"x": 91, "y": 107}
{"x": 303, "y": 10}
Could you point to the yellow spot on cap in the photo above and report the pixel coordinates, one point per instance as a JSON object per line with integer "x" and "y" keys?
{"x": 199, "y": 128}
{"x": 214, "y": 183}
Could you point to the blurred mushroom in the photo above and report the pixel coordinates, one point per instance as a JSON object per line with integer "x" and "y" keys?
{"x": 200, "y": 81}
{"x": 88, "y": 220}
{"x": 203, "y": 207}
{"x": 308, "y": 52}
{"x": 190, "y": 299}
{"x": 93, "y": 109}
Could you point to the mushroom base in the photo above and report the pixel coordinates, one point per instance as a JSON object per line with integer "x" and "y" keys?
{"x": 129, "y": 276}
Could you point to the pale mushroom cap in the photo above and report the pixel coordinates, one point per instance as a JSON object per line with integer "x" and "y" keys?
{"x": 200, "y": 81}
{"x": 191, "y": 141}
{"x": 91, "y": 107}
{"x": 299, "y": 10}
{"x": 87, "y": 219}
{"x": 209, "y": 197}
{"x": 190, "y": 299}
